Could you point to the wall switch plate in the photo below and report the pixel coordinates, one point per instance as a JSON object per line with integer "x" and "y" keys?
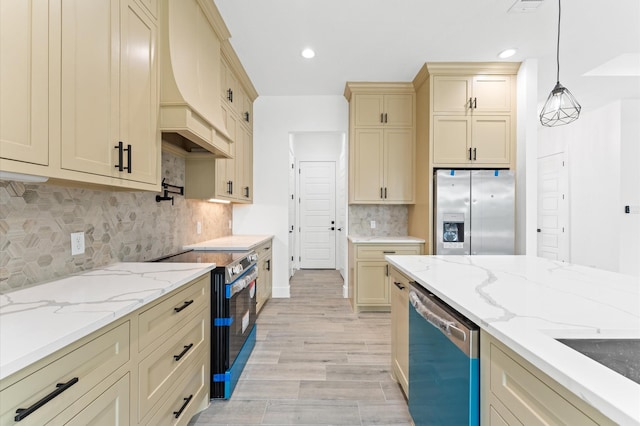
{"x": 198, "y": 227}
{"x": 77, "y": 243}
{"x": 373, "y": 224}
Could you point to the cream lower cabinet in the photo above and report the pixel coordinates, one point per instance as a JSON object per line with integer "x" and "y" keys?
{"x": 514, "y": 392}
{"x": 369, "y": 273}
{"x": 399, "y": 285}
{"x": 152, "y": 362}
{"x": 265, "y": 274}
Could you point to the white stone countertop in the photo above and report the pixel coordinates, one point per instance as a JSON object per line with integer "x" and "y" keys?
{"x": 526, "y": 302}
{"x": 231, "y": 243}
{"x": 39, "y": 320}
{"x": 382, "y": 240}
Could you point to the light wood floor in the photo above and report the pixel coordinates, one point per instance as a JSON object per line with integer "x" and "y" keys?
{"x": 315, "y": 363}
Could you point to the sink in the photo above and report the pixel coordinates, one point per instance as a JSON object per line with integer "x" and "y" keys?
{"x": 620, "y": 355}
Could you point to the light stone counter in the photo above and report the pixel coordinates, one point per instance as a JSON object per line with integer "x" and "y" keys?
{"x": 526, "y": 302}
{"x": 385, "y": 240}
{"x": 231, "y": 243}
{"x": 39, "y": 320}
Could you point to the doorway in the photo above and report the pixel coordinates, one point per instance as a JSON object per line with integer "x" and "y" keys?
{"x": 311, "y": 154}
{"x": 553, "y": 210}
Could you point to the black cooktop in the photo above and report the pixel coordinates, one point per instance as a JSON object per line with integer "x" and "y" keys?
{"x": 220, "y": 258}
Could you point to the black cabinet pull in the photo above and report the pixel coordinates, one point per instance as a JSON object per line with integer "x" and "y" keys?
{"x": 128, "y": 149}
{"x": 386, "y": 270}
{"x": 474, "y": 154}
{"x": 470, "y": 103}
{"x": 187, "y": 400}
{"x": 120, "y": 165}
{"x": 268, "y": 267}
{"x": 183, "y": 353}
{"x": 381, "y": 193}
{"x": 386, "y": 118}
{"x": 469, "y": 154}
{"x": 246, "y": 116}
{"x": 385, "y": 192}
{"x": 333, "y": 228}
{"x": 389, "y": 252}
{"x": 475, "y": 103}
{"x": 400, "y": 286}
{"x": 230, "y": 95}
{"x": 184, "y": 305}
{"x": 246, "y": 191}
{"x": 231, "y": 182}
{"x": 382, "y": 117}
{"x": 22, "y": 413}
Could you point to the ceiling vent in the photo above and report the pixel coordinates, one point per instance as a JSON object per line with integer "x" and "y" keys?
{"x": 525, "y": 6}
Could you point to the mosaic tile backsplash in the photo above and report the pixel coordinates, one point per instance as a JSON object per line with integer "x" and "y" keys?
{"x": 36, "y": 221}
{"x": 391, "y": 220}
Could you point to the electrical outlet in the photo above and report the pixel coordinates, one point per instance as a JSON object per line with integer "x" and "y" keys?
{"x": 373, "y": 224}
{"x": 198, "y": 227}
{"x": 77, "y": 243}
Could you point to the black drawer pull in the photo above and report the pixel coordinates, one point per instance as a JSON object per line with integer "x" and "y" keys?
{"x": 178, "y": 413}
{"x": 400, "y": 286}
{"x": 22, "y": 413}
{"x": 389, "y": 252}
{"x": 183, "y": 353}
{"x": 180, "y": 308}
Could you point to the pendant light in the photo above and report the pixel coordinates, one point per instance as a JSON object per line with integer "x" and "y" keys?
{"x": 561, "y": 107}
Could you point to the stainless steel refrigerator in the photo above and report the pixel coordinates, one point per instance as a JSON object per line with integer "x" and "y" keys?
{"x": 474, "y": 212}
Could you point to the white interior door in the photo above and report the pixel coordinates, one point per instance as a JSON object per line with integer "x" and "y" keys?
{"x": 553, "y": 211}
{"x": 317, "y": 214}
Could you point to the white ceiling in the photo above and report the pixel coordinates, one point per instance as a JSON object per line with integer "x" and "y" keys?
{"x": 389, "y": 40}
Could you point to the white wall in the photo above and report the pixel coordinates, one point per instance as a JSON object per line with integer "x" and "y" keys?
{"x": 603, "y": 157}
{"x": 526, "y": 155}
{"x": 275, "y": 118}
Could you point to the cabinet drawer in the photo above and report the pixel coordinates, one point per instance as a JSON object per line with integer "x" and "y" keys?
{"x": 264, "y": 249}
{"x": 89, "y": 364}
{"x": 157, "y": 320}
{"x": 379, "y": 252}
{"x": 186, "y": 397}
{"x": 528, "y": 398}
{"x": 110, "y": 408}
{"x": 160, "y": 370}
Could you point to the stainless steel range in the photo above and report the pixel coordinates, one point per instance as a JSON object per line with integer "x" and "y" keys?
{"x": 233, "y": 313}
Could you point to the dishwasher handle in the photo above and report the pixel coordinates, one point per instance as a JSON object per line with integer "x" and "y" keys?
{"x": 422, "y": 306}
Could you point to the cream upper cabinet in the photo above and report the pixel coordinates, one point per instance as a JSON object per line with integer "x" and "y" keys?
{"x": 24, "y": 81}
{"x": 109, "y": 90}
{"x": 381, "y": 143}
{"x": 478, "y": 140}
{"x": 472, "y": 115}
{"x": 380, "y": 110}
{"x": 472, "y": 94}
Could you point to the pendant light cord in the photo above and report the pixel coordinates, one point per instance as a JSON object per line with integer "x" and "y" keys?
{"x": 558, "y": 45}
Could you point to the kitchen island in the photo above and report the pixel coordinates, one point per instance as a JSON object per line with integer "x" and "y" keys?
{"x": 526, "y": 303}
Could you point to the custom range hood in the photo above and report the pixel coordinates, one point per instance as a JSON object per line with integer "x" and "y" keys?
{"x": 190, "y": 112}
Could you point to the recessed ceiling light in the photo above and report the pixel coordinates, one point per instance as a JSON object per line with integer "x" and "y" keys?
{"x": 308, "y": 53}
{"x": 507, "y": 53}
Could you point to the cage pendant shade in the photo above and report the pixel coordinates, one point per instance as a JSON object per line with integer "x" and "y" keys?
{"x": 560, "y": 108}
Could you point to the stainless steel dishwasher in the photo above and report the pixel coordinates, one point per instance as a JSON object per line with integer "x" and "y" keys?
{"x": 444, "y": 363}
